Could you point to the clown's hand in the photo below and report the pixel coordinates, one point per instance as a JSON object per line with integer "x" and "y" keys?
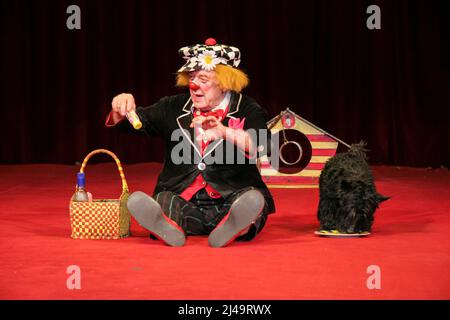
{"x": 207, "y": 123}
{"x": 197, "y": 122}
{"x": 210, "y": 128}
{"x": 209, "y": 135}
{"x": 211, "y": 122}
{"x": 123, "y": 103}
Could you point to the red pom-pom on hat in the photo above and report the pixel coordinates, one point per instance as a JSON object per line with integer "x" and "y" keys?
{"x": 210, "y": 42}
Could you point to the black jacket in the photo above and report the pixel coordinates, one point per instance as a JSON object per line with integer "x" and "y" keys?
{"x": 182, "y": 155}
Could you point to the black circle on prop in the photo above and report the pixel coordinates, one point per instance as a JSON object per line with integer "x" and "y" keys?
{"x": 291, "y": 152}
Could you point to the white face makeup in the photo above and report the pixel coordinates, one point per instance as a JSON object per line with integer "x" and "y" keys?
{"x": 208, "y": 94}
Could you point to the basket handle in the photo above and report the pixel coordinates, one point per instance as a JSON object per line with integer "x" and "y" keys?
{"x": 119, "y": 165}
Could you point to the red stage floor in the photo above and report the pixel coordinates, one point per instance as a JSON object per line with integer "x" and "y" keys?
{"x": 410, "y": 245}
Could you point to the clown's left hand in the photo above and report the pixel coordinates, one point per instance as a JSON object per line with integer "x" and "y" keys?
{"x": 213, "y": 128}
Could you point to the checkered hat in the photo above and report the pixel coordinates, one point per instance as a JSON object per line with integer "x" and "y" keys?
{"x": 207, "y": 56}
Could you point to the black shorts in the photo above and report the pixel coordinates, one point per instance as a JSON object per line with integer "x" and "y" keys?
{"x": 202, "y": 214}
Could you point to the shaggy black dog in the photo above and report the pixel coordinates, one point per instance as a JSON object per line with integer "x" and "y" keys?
{"x": 348, "y": 197}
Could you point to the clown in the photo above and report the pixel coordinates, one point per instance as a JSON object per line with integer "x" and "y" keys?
{"x": 209, "y": 195}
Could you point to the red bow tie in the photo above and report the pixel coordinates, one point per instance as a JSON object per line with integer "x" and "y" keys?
{"x": 218, "y": 114}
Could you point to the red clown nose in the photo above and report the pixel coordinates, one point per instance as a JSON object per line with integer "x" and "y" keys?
{"x": 193, "y": 85}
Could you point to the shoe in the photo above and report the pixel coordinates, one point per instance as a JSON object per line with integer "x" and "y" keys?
{"x": 149, "y": 215}
{"x": 244, "y": 211}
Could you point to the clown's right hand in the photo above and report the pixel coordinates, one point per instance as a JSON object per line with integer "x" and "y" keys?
{"x": 121, "y": 104}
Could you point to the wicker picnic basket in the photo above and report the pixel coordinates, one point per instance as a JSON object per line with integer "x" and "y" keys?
{"x": 103, "y": 218}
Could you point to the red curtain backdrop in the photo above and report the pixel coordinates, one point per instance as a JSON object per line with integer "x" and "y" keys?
{"x": 387, "y": 87}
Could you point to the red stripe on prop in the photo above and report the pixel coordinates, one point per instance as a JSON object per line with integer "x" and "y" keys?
{"x": 315, "y": 166}
{"x": 319, "y": 138}
{"x": 293, "y": 180}
{"x": 311, "y": 166}
{"x": 323, "y": 152}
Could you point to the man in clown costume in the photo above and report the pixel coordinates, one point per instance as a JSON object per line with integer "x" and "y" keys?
{"x": 212, "y": 193}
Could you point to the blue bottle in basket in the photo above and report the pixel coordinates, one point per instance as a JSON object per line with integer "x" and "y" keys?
{"x": 81, "y": 195}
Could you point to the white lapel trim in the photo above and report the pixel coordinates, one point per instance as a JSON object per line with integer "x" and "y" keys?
{"x": 237, "y": 107}
{"x": 183, "y": 129}
{"x": 209, "y": 152}
{"x": 186, "y": 104}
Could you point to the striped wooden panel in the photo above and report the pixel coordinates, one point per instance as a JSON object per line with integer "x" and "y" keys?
{"x": 304, "y": 173}
{"x": 314, "y": 159}
{"x": 324, "y": 152}
{"x": 315, "y": 166}
{"x": 292, "y": 186}
{"x": 319, "y": 159}
{"x": 291, "y": 180}
{"x": 324, "y": 145}
{"x": 310, "y": 166}
{"x": 319, "y": 138}
{"x": 323, "y": 148}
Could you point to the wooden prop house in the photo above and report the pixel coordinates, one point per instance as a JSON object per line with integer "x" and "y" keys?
{"x": 303, "y": 150}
